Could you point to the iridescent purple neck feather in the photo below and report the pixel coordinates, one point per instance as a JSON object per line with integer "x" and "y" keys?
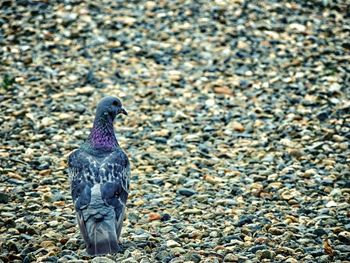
{"x": 102, "y": 134}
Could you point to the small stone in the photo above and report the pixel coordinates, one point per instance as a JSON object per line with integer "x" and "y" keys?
{"x": 174, "y": 75}
{"x": 338, "y": 138}
{"x": 320, "y": 232}
{"x": 4, "y": 198}
{"x": 186, "y": 192}
{"x": 165, "y": 217}
{"x": 322, "y": 116}
{"x": 64, "y": 116}
{"x": 331, "y": 204}
{"x": 285, "y": 251}
{"x": 212, "y": 179}
{"x": 47, "y": 121}
{"x": 145, "y": 260}
{"x": 242, "y": 44}
{"x": 172, "y": 243}
{"x": 336, "y": 193}
{"x": 291, "y": 260}
{"x": 236, "y": 126}
{"x": 316, "y": 252}
{"x": 344, "y": 237}
{"x": 230, "y": 257}
{"x": 154, "y": 216}
{"x": 85, "y": 90}
{"x": 128, "y": 260}
{"x": 164, "y": 256}
{"x": 71, "y": 244}
{"x": 156, "y": 181}
{"x": 79, "y": 108}
{"x": 194, "y": 211}
{"x": 139, "y": 202}
{"x": 13, "y": 231}
{"x": 47, "y": 243}
{"x": 210, "y": 260}
{"x": 342, "y": 248}
{"x": 280, "y": 258}
{"x": 214, "y": 234}
{"x": 324, "y": 259}
{"x": 102, "y": 260}
{"x": 297, "y": 27}
{"x": 29, "y": 258}
{"x": 256, "y": 248}
{"x": 7, "y": 214}
{"x": 177, "y": 251}
{"x": 193, "y": 257}
{"x": 265, "y": 254}
{"x": 297, "y": 153}
{"x": 223, "y": 90}
{"x": 309, "y": 173}
{"x": 12, "y": 246}
{"x": 245, "y": 219}
{"x": 276, "y": 231}
{"x": 343, "y": 145}
{"x": 141, "y": 237}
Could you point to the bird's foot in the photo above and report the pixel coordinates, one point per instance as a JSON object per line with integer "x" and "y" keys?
{"x": 121, "y": 247}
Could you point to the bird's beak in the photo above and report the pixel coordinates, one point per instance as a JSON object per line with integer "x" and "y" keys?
{"x": 123, "y": 111}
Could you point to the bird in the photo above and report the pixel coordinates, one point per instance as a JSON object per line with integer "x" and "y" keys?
{"x": 99, "y": 172}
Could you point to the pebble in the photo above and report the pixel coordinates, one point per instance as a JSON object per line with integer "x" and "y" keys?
{"x": 186, "y": 192}
{"x": 265, "y": 254}
{"x": 343, "y": 248}
{"x": 344, "y": 237}
{"x": 245, "y": 219}
{"x": 192, "y": 211}
{"x": 165, "y": 217}
{"x": 172, "y": 243}
{"x": 254, "y": 249}
{"x": 102, "y": 260}
{"x": 237, "y": 126}
{"x": 320, "y": 232}
{"x": 154, "y": 216}
{"x": 88, "y": 90}
{"x": 231, "y": 258}
{"x": 4, "y": 198}
{"x": 276, "y": 231}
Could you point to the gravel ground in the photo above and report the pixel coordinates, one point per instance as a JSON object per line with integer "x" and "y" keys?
{"x": 238, "y": 128}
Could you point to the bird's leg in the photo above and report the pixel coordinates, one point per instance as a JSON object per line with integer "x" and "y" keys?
{"x": 122, "y": 247}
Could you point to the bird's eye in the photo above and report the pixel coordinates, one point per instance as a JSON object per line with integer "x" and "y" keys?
{"x": 115, "y": 103}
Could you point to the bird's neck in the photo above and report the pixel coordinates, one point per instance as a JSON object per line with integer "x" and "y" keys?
{"x": 102, "y": 135}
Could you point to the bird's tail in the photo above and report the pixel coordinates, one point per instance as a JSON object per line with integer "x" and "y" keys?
{"x": 101, "y": 231}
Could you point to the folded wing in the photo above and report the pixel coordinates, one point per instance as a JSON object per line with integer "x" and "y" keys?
{"x": 99, "y": 186}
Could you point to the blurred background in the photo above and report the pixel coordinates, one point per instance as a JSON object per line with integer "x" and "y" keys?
{"x": 238, "y": 128}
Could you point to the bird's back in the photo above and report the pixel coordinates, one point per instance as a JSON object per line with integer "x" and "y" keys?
{"x": 99, "y": 186}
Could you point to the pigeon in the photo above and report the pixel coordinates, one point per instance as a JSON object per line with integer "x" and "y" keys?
{"x": 99, "y": 172}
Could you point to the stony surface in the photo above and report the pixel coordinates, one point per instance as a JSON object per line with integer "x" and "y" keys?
{"x": 238, "y": 128}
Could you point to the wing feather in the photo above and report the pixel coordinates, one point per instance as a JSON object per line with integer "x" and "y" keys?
{"x": 116, "y": 170}
{"x": 111, "y": 171}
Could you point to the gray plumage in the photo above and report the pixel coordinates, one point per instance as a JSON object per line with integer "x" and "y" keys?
{"x": 99, "y": 172}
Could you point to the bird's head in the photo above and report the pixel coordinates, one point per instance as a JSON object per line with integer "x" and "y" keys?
{"x": 109, "y": 107}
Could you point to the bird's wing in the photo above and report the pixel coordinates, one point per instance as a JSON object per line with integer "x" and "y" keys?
{"x": 115, "y": 175}
{"x": 111, "y": 176}
{"x": 83, "y": 171}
